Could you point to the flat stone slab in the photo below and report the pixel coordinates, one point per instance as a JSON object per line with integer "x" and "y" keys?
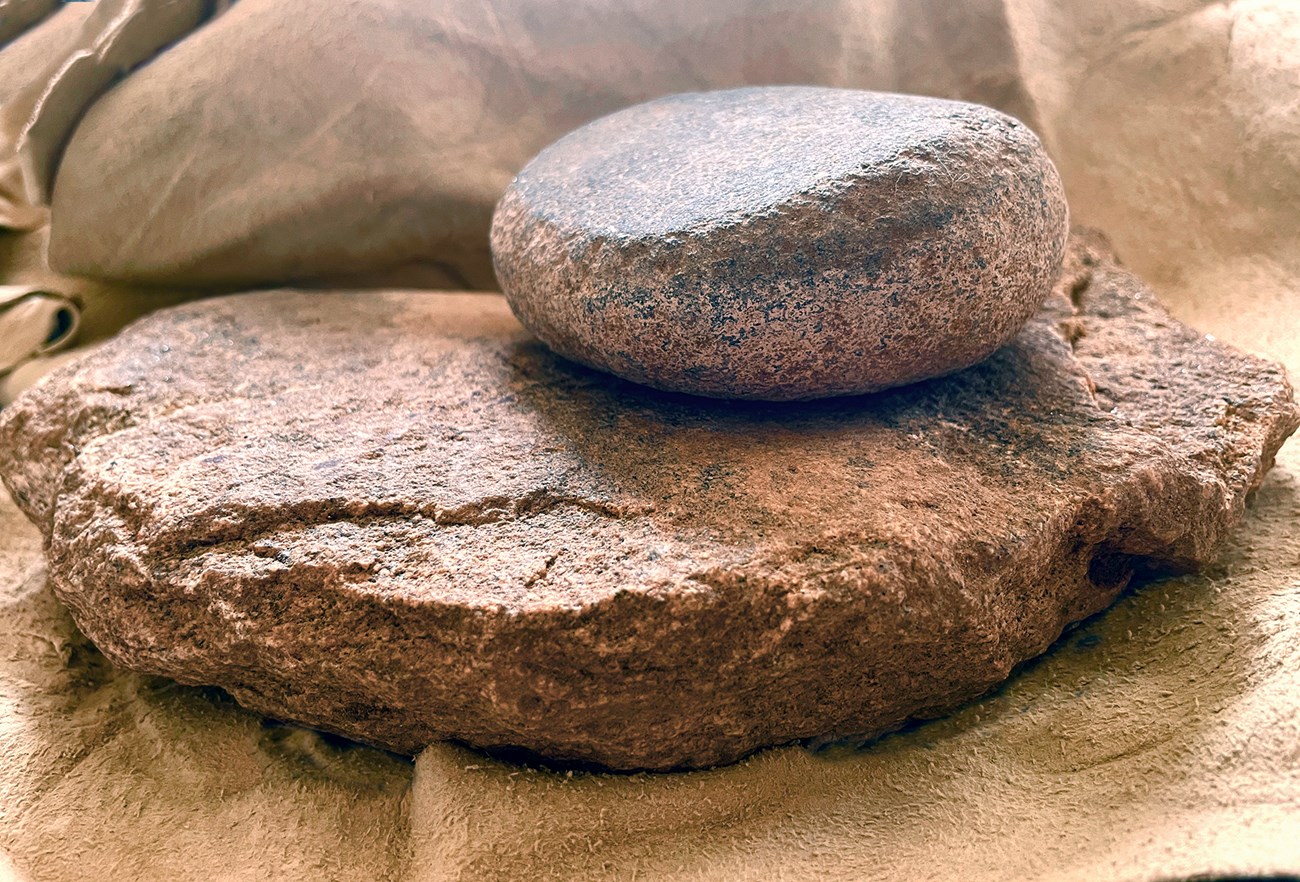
{"x": 398, "y": 517}
{"x": 783, "y": 242}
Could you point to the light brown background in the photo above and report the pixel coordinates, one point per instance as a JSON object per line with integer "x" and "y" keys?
{"x": 1159, "y": 741}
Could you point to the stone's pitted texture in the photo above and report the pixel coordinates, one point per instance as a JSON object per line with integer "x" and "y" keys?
{"x": 437, "y": 528}
{"x": 783, "y": 243}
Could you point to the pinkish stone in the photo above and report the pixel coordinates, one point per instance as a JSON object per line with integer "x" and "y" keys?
{"x": 399, "y": 517}
{"x": 783, "y": 243}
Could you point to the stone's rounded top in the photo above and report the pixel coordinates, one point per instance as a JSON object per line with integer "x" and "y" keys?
{"x": 783, "y": 243}
{"x": 707, "y": 158}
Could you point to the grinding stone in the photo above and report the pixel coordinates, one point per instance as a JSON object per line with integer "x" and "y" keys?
{"x": 398, "y": 517}
{"x": 783, "y": 243}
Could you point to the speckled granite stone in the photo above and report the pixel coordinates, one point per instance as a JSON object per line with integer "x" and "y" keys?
{"x": 399, "y": 517}
{"x": 783, "y": 243}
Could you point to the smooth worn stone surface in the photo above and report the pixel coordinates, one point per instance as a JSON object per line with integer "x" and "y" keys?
{"x": 398, "y": 517}
{"x": 783, "y": 243}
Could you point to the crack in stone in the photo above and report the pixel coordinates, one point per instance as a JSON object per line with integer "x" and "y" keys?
{"x": 250, "y": 524}
{"x": 545, "y": 570}
{"x": 1078, "y": 286}
{"x": 1075, "y": 327}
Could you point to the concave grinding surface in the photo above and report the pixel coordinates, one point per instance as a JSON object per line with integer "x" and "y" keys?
{"x": 397, "y": 517}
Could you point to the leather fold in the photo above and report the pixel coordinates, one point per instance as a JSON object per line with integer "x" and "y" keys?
{"x": 37, "y": 121}
{"x": 34, "y": 322}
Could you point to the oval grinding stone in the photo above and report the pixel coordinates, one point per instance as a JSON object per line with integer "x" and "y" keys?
{"x": 399, "y": 517}
{"x": 783, "y": 243}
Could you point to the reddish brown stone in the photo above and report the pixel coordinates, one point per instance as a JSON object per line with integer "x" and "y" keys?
{"x": 398, "y": 517}
{"x": 783, "y": 243}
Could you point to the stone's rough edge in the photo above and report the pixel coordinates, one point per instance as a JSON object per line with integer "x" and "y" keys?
{"x": 1267, "y": 430}
{"x": 1091, "y": 260}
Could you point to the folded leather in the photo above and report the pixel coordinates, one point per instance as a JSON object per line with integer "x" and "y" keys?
{"x": 33, "y": 322}
{"x": 294, "y": 139}
{"x": 36, "y": 121}
{"x": 17, "y": 16}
